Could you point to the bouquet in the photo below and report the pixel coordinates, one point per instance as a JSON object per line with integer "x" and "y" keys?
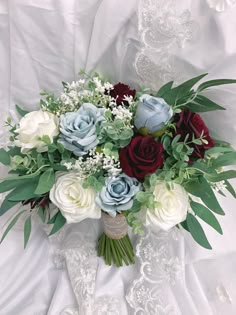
{"x": 131, "y": 158}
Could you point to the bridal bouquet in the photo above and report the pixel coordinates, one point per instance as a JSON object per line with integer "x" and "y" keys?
{"x": 104, "y": 151}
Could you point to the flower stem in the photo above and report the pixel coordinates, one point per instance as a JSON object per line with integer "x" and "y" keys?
{"x": 116, "y": 251}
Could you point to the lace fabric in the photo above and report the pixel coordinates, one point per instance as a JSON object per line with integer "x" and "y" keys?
{"x": 163, "y": 29}
{"x": 220, "y": 5}
{"x": 159, "y": 270}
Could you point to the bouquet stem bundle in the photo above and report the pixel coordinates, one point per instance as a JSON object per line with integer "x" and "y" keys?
{"x": 114, "y": 244}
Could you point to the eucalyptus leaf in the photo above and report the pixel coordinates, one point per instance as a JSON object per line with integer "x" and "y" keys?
{"x": 197, "y": 231}
{"x": 221, "y": 176}
{"x": 11, "y": 224}
{"x": 217, "y": 82}
{"x": 203, "y": 104}
{"x": 225, "y": 160}
{"x": 58, "y": 224}
{"x": 206, "y": 215}
{"x": 7, "y": 185}
{"x": 230, "y": 188}
{"x": 218, "y": 149}
{"x": 165, "y": 89}
{"x": 21, "y": 111}
{"x": 24, "y": 192}
{"x": 27, "y": 231}
{"x": 202, "y": 189}
{"x": 4, "y": 157}
{"x": 7, "y": 204}
{"x": 46, "y": 181}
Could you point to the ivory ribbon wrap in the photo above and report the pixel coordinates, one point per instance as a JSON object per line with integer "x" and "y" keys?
{"x": 116, "y": 227}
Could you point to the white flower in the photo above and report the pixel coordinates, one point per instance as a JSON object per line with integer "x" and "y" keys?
{"x": 74, "y": 202}
{"x": 32, "y": 127}
{"x": 173, "y": 207}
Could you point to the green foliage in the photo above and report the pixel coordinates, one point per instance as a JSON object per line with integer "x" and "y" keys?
{"x": 211, "y": 83}
{"x": 11, "y": 224}
{"x": 114, "y": 131}
{"x": 200, "y": 187}
{"x": 202, "y": 104}
{"x": 4, "y": 157}
{"x": 147, "y": 199}
{"x": 197, "y": 231}
{"x": 96, "y": 181}
{"x": 46, "y": 181}
{"x": 58, "y": 223}
{"x": 184, "y": 95}
{"x": 27, "y": 231}
{"x": 21, "y": 111}
{"x": 206, "y": 215}
{"x": 135, "y": 223}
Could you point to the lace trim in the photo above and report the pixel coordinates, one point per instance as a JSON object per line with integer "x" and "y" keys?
{"x": 163, "y": 30}
{"x": 220, "y": 5}
{"x": 159, "y": 269}
{"x": 79, "y": 256}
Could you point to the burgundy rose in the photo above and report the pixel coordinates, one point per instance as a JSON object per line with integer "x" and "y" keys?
{"x": 41, "y": 201}
{"x": 192, "y": 124}
{"x": 142, "y": 156}
{"x": 121, "y": 90}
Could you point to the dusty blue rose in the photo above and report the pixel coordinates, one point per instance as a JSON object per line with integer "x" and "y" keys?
{"x": 78, "y": 129}
{"x": 118, "y": 193}
{"x": 152, "y": 113}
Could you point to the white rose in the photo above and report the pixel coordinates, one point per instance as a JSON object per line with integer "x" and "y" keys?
{"x": 33, "y": 126}
{"x": 173, "y": 207}
{"x": 74, "y": 202}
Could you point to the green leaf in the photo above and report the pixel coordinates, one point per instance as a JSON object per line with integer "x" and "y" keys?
{"x": 142, "y": 197}
{"x": 4, "y": 157}
{"x": 197, "y": 231}
{"x": 225, "y": 160}
{"x": 165, "y": 89}
{"x": 189, "y": 84}
{"x": 135, "y": 207}
{"x": 11, "y": 224}
{"x": 21, "y": 111}
{"x": 203, "y": 104}
{"x": 206, "y": 215}
{"x": 202, "y": 189}
{"x": 203, "y": 168}
{"x": 221, "y": 176}
{"x": 58, "y": 224}
{"x": 24, "y": 176}
{"x": 7, "y": 204}
{"x": 217, "y": 82}
{"x": 46, "y": 181}
{"x": 219, "y": 150}
{"x": 53, "y": 219}
{"x": 184, "y": 225}
{"x": 230, "y": 188}
{"x": 42, "y": 213}
{"x": 7, "y": 185}
{"x": 24, "y": 192}
{"x": 27, "y": 231}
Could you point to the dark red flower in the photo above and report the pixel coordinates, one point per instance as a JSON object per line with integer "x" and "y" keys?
{"x": 41, "y": 201}
{"x": 142, "y": 156}
{"x": 192, "y": 124}
{"x": 121, "y": 90}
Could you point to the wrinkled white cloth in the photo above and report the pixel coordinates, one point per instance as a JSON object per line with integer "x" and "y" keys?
{"x": 145, "y": 42}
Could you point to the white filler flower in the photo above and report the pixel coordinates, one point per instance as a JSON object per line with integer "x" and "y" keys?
{"x": 173, "y": 207}
{"x": 74, "y": 202}
{"x": 32, "y": 127}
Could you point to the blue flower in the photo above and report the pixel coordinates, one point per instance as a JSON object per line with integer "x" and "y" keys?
{"x": 152, "y": 113}
{"x": 78, "y": 129}
{"x": 118, "y": 193}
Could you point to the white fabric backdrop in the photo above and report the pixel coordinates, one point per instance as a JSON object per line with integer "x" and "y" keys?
{"x": 148, "y": 42}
